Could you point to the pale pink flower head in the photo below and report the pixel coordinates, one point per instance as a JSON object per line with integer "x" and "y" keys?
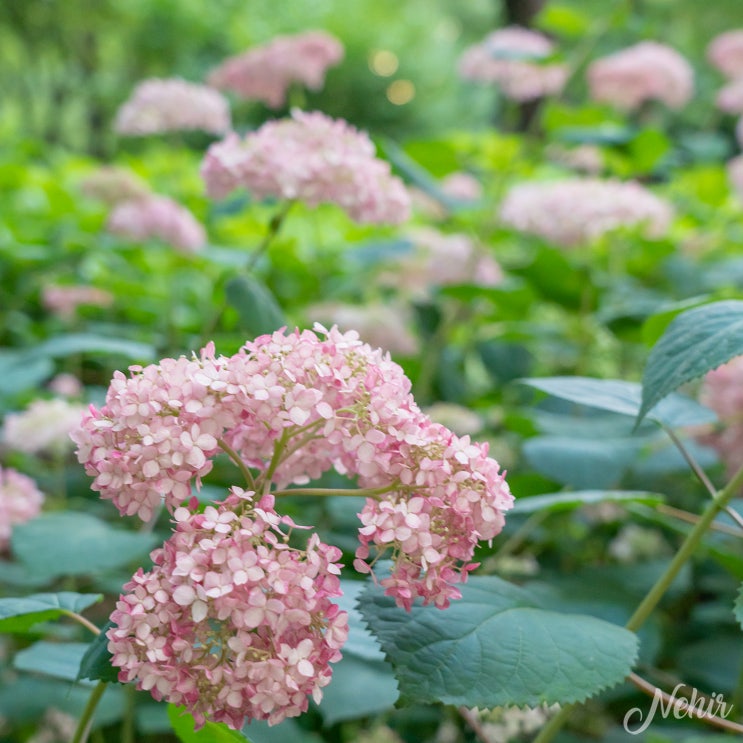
{"x": 172, "y": 104}
{"x": 735, "y": 175}
{"x": 644, "y": 72}
{"x": 461, "y": 186}
{"x": 66, "y": 385}
{"x": 20, "y": 501}
{"x": 313, "y": 158}
{"x": 157, "y": 217}
{"x": 585, "y": 158}
{"x": 265, "y": 73}
{"x": 112, "y": 185}
{"x": 725, "y": 52}
{"x": 64, "y": 300}
{"x": 722, "y": 391}
{"x": 579, "y": 210}
{"x": 730, "y": 97}
{"x": 44, "y": 426}
{"x": 232, "y": 622}
{"x": 511, "y": 58}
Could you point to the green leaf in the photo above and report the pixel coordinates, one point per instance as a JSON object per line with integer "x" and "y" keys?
{"x": 738, "y": 607}
{"x": 20, "y": 614}
{"x": 20, "y": 371}
{"x": 57, "y": 659}
{"x": 654, "y": 327}
{"x": 74, "y": 343}
{"x": 695, "y": 342}
{"x": 258, "y": 309}
{"x": 496, "y": 646}
{"x": 213, "y": 732}
{"x": 647, "y": 149}
{"x": 563, "y": 21}
{"x": 570, "y": 501}
{"x": 73, "y": 543}
{"x": 624, "y": 398}
{"x": 96, "y": 662}
{"x": 287, "y": 731}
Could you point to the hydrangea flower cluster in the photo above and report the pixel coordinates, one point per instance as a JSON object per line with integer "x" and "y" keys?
{"x": 44, "y": 426}
{"x": 722, "y": 391}
{"x": 510, "y": 58}
{"x": 231, "y": 621}
{"x": 64, "y": 300}
{"x": 159, "y": 217}
{"x": 578, "y": 210}
{"x": 20, "y": 501}
{"x": 113, "y": 185}
{"x": 730, "y": 97}
{"x": 644, "y": 72}
{"x": 313, "y": 158}
{"x": 725, "y": 52}
{"x": 171, "y": 104}
{"x": 266, "y": 72}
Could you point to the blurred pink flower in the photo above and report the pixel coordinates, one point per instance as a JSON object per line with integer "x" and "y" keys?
{"x": 643, "y": 72}
{"x": 164, "y": 105}
{"x": 160, "y": 217}
{"x": 266, "y": 72}
{"x": 585, "y": 158}
{"x": 66, "y": 385}
{"x": 725, "y": 52}
{"x": 313, "y": 158}
{"x": 578, "y": 210}
{"x": 112, "y": 184}
{"x": 64, "y": 300}
{"x": 462, "y": 186}
{"x": 20, "y": 501}
{"x": 735, "y": 175}
{"x": 730, "y": 97}
{"x": 44, "y": 426}
{"x": 511, "y": 58}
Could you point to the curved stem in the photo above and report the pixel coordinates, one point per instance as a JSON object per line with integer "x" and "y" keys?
{"x": 278, "y": 451}
{"x": 274, "y": 226}
{"x": 86, "y": 720}
{"x": 368, "y": 492}
{"x": 234, "y": 456}
{"x": 82, "y": 620}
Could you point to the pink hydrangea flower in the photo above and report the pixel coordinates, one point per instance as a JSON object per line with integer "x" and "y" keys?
{"x": 20, "y": 501}
{"x": 735, "y": 175}
{"x": 164, "y": 105}
{"x": 578, "y": 210}
{"x": 725, "y": 52}
{"x": 510, "y": 58}
{"x": 462, "y": 186}
{"x": 730, "y": 97}
{"x": 643, "y": 72}
{"x": 266, "y": 72}
{"x": 66, "y": 385}
{"x": 113, "y": 185}
{"x": 64, "y": 300}
{"x": 231, "y": 621}
{"x": 44, "y": 426}
{"x": 159, "y": 217}
{"x": 313, "y": 158}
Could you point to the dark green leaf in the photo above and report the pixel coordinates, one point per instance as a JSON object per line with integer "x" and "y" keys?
{"x": 738, "y": 607}
{"x": 20, "y": 614}
{"x": 213, "y": 732}
{"x": 96, "y": 662}
{"x": 570, "y": 501}
{"x": 695, "y": 342}
{"x": 258, "y": 309}
{"x": 57, "y": 659}
{"x": 287, "y": 731}
{"x": 73, "y": 543}
{"x": 74, "y": 343}
{"x": 496, "y": 646}
{"x": 623, "y": 397}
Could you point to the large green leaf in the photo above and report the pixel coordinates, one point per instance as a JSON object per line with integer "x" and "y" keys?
{"x": 738, "y": 607}
{"x": 74, "y": 343}
{"x": 213, "y": 732}
{"x": 95, "y": 663}
{"x": 20, "y": 614}
{"x": 22, "y": 370}
{"x": 58, "y": 659}
{"x": 570, "y": 501}
{"x": 496, "y": 646}
{"x": 72, "y": 543}
{"x": 695, "y": 342}
{"x": 625, "y": 398}
{"x": 258, "y": 309}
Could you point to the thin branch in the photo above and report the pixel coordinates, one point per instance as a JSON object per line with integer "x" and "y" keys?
{"x": 474, "y": 723}
{"x": 692, "y": 518}
{"x": 235, "y": 457}
{"x": 696, "y": 468}
{"x": 82, "y": 620}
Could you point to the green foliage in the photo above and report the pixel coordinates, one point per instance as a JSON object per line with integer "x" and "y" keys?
{"x": 212, "y": 732}
{"x": 95, "y": 664}
{"x": 20, "y": 614}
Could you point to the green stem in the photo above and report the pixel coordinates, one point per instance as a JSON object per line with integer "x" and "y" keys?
{"x": 82, "y": 620}
{"x": 274, "y": 227}
{"x": 278, "y": 450}
{"x": 656, "y": 593}
{"x": 86, "y": 720}
{"x": 233, "y": 455}
{"x": 369, "y": 492}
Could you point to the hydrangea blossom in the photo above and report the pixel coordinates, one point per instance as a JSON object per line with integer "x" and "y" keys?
{"x": 735, "y": 175}
{"x": 510, "y": 58}
{"x": 730, "y": 97}
{"x": 44, "y": 426}
{"x": 113, "y": 185}
{"x": 64, "y": 300}
{"x": 575, "y": 211}
{"x": 231, "y": 621}
{"x": 461, "y": 186}
{"x": 313, "y": 158}
{"x": 20, "y": 501}
{"x": 266, "y": 72}
{"x": 643, "y": 72}
{"x": 171, "y": 104}
{"x": 159, "y": 217}
{"x": 725, "y": 52}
